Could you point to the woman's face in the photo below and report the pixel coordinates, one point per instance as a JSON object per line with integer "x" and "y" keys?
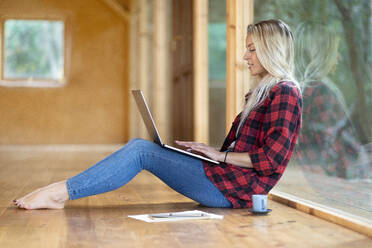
{"x": 250, "y": 56}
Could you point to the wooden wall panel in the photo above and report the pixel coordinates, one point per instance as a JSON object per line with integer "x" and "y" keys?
{"x": 92, "y": 107}
{"x": 134, "y": 71}
{"x": 162, "y": 70}
{"x": 144, "y": 64}
{"x": 141, "y": 62}
{"x": 182, "y": 76}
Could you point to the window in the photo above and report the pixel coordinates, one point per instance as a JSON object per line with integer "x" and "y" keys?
{"x": 332, "y": 161}
{"x": 33, "y": 52}
{"x": 217, "y": 72}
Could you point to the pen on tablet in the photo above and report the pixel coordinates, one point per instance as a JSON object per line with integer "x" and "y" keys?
{"x": 172, "y": 215}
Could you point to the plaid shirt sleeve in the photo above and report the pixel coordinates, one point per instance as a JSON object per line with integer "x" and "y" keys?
{"x": 279, "y": 126}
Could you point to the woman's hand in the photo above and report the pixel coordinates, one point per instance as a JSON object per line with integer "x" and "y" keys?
{"x": 210, "y": 152}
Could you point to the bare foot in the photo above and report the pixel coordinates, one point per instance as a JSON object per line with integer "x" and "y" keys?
{"x": 53, "y": 196}
{"x": 39, "y": 189}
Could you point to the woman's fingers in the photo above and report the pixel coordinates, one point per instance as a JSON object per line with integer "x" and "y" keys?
{"x": 199, "y": 147}
{"x": 181, "y": 142}
{"x": 187, "y": 143}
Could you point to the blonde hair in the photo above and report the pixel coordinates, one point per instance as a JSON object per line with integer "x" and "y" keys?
{"x": 274, "y": 46}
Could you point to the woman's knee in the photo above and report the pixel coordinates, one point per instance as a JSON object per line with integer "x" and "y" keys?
{"x": 139, "y": 144}
{"x": 134, "y": 140}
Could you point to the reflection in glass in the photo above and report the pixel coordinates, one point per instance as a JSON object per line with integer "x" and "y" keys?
{"x": 328, "y": 143}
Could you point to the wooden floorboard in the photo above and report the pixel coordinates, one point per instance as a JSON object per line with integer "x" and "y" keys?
{"x": 102, "y": 220}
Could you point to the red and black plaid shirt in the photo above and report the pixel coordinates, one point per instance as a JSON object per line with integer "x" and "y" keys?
{"x": 269, "y": 135}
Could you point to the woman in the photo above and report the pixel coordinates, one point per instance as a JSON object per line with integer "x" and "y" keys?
{"x": 253, "y": 157}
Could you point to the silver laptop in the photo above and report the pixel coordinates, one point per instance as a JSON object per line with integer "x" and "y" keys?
{"x": 151, "y": 128}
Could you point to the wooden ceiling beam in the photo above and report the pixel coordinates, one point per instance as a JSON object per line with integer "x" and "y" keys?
{"x": 118, "y": 9}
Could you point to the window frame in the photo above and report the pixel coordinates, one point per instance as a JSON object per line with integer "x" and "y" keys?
{"x": 35, "y": 82}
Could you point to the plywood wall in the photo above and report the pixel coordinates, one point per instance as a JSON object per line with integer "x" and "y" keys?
{"x": 93, "y": 107}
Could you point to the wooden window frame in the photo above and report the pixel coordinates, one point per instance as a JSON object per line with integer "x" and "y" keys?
{"x": 36, "y": 82}
{"x": 200, "y": 67}
{"x": 238, "y": 79}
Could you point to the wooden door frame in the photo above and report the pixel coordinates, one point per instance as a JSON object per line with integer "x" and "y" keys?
{"x": 162, "y": 88}
{"x": 200, "y": 67}
{"x": 238, "y": 80}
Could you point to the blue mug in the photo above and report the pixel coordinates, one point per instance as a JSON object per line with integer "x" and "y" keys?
{"x": 259, "y": 203}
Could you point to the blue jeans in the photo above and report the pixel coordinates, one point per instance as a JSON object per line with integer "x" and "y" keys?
{"x": 182, "y": 173}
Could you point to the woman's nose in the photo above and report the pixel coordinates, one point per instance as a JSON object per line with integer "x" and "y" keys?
{"x": 246, "y": 55}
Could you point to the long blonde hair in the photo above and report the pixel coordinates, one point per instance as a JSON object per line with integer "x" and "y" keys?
{"x": 273, "y": 41}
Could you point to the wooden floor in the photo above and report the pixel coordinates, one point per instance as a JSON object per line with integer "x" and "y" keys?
{"x": 102, "y": 220}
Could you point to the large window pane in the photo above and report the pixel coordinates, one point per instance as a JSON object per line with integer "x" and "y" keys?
{"x": 332, "y": 161}
{"x": 34, "y": 49}
{"x": 217, "y": 72}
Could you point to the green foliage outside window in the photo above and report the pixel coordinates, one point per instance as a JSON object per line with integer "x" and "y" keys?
{"x": 217, "y": 51}
{"x": 33, "y": 49}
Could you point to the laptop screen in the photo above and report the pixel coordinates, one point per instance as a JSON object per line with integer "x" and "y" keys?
{"x": 146, "y": 116}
